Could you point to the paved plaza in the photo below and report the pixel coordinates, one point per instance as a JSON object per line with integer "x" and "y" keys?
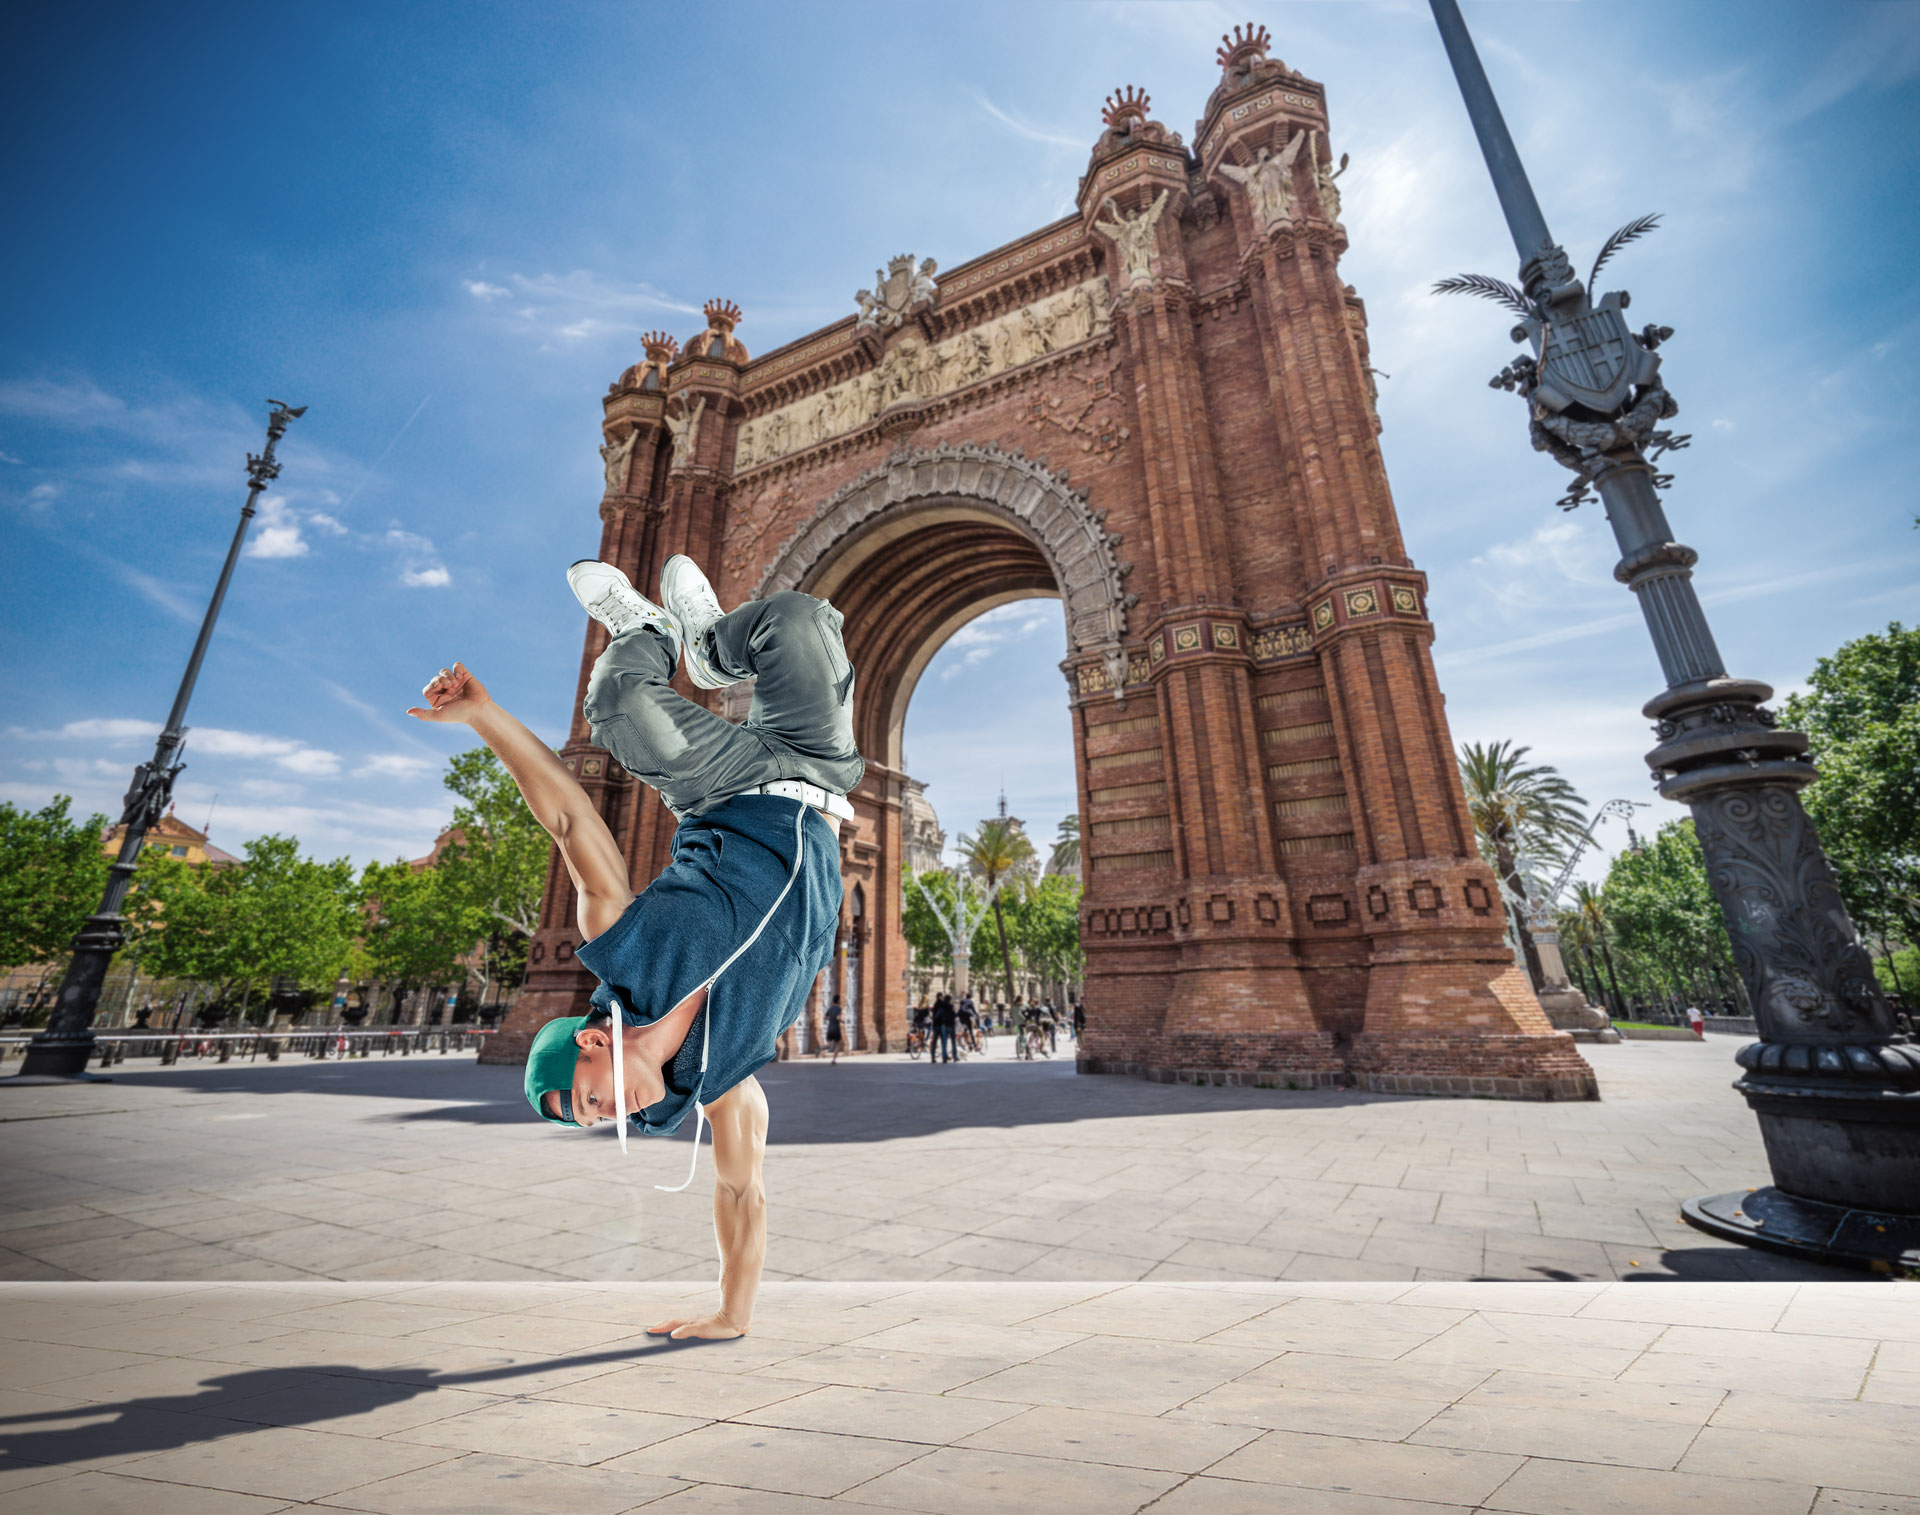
{"x": 381, "y": 1286}
{"x": 879, "y": 1168}
{"x": 964, "y": 1399}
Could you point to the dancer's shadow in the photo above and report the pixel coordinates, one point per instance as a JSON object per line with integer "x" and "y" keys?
{"x": 235, "y": 1403}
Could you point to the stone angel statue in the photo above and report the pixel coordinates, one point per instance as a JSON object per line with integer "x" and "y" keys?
{"x": 615, "y": 456}
{"x": 1323, "y": 176}
{"x": 1133, "y": 236}
{"x": 922, "y": 287}
{"x": 1269, "y": 180}
{"x": 686, "y": 430}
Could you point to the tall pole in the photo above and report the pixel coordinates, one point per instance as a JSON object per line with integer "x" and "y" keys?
{"x": 1834, "y": 1084}
{"x": 62, "y": 1050}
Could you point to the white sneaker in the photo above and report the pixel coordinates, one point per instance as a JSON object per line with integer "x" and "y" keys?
{"x": 690, "y": 600}
{"x": 612, "y": 600}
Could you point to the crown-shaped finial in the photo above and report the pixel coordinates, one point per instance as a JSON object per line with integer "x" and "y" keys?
{"x": 1122, "y": 104}
{"x": 722, "y": 315}
{"x": 1242, "y": 44}
{"x": 659, "y": 347}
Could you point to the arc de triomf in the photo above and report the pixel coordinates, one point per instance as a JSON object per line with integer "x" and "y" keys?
{"x": 1159, "y": 409}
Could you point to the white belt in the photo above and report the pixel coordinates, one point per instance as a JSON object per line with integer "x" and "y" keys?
{"x": 811, "y": 794}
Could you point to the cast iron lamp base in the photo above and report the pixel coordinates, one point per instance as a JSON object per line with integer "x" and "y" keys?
{"x": 1879, "y": 1241}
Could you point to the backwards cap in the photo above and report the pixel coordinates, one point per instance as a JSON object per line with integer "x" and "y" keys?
{"x": 550, "y": 1067}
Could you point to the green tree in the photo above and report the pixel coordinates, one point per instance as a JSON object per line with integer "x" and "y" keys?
{"x": 1520, "y": 810}
{"x": 1664, "y": 914}
{"x": 52, "y": 873}
{"x": 494, "y": 868}
{"x": 996, "y": 850}
{"x": 1861, "y": 712}
{"x": 1047, "y": 930}
{"x": 417, "y": 927}
{"x": 275, "y": 916}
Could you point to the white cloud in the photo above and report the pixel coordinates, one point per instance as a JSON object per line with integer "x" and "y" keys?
{"x": 43, "y": 495}
{"x": 326, "y": 523}
{"x": 292, "y": 755}
{"x": 278, "y": 535}
{"x": 311, "y": 761}
{"x": 1076, "y": 141}
{"x": 96, "y": 730}
{"x": 395, "y": 765}
{"x": 7, "y": 457}
{"x": 481, "y": 290}
{"x": 425, "y": 578}
{"x": 420, "y": 567}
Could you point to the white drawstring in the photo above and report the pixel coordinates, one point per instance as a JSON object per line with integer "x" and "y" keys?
{"x": 706, "y": 1033}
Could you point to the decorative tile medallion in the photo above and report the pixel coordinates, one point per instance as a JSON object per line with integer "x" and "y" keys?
{"x": 1362, "y": 602}
{"x": 1225, "y": 635}
{"x": 1157, "y": 649}
{"x": 1405, "y": 601}
{"x": 1186, "y": 639}
{"x": 590, "y": 767}
{"x": 1323, "y": 616}
{"x": 1281, "y": 642}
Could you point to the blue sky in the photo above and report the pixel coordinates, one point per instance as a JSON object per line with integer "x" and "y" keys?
{"x": 443, "y": 228}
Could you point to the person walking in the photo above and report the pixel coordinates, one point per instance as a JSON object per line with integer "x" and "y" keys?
{"x": 1079, "y": 1022}
{"x": 834, "y": 1034}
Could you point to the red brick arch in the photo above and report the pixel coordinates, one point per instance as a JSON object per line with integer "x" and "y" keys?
{"x": 1159, "y": 410}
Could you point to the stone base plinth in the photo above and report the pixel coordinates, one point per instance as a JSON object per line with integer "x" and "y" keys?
{"x": 1493, "y": 1067}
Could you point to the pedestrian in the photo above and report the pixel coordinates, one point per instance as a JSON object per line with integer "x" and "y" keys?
{"x": 703, "y": 971}
{"x": 1696, "y": 1022}
{"x": 944, "y": 1017}
{"x": 1052, "y": 1023}
{"x": 1079, "y": 1022}
{"x": 834, "y": 1015}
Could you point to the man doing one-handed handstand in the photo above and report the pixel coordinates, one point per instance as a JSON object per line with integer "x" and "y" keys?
{"x": 715, "y": 958}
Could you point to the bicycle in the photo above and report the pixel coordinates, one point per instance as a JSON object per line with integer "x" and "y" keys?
{"x": 916, "y": 1043}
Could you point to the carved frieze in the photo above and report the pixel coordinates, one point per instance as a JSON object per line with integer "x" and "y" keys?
{"x": 914, "y": 368}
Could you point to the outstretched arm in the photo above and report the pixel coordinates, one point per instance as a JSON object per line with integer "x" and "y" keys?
{"x": 739, "y": 1121}
{"x": 557, "y": 801}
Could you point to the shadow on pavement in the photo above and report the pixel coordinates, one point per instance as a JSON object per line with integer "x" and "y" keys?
{"x": 813, "y": 1102}
{"x": 259, "y": 1399}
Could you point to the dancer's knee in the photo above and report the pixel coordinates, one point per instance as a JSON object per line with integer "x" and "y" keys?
{"x": 613, "y": 690}
{"x": 790, "y": 606}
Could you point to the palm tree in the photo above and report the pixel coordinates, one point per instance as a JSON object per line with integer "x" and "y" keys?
{"x": 1066, "y": 847}
{"x": 1519, "y": 810}
{"x": 1586, "y": 904}
{"x": 997, "y": 849}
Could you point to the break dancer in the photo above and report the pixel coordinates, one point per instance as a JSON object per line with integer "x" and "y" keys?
{"x": 704, "y": 968}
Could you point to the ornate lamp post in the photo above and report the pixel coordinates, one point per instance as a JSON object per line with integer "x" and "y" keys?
{"x": 1835, "y": 1086}
{"x": 61, "y": 1051}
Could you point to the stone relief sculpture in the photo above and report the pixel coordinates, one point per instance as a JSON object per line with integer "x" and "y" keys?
{"x": 616, "y": 456}
{"x": 1133, "y": 236}
{"x": 685, "y": 428}
{"x": 915, "y": 368}
{"x": 895, "y": 292}
{"x": 1323, "y": 176}
{"x": 1269, "y": 180}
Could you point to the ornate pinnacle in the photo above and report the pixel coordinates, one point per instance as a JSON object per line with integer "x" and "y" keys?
{"x": 722, "y": 315}
{"x": 1241, "y": 45}
{"x": 659, "y": 347}
{"x": 1123, "y": 104}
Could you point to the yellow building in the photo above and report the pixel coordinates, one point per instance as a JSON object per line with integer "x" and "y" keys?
{"x": 174, "y": 838}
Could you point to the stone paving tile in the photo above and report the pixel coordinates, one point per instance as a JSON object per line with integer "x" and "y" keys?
{"x": 965, "y": 1481}
{"x": 890, "y": 1414}
{"x": 1441, "y": 1475}
{"x": 1794, "y": 1455}
{"x": 1548, "y": 1486}
{"x": 1851, "y": 1502}
{"x": 504, "y": 1486}
{"x": 112, "y": 1494}
{"x": 818, "y": 1463}
{"x": 284, "y": 1463}
{"x": 1226, "y": 1496}
{"x": 550, "y": 1431}
{"x": 1118, "y": 1440}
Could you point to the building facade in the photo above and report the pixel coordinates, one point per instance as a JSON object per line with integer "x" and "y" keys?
{"x": 1159, "y": 409}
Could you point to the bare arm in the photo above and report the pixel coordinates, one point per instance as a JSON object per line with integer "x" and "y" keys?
{"x": 739, "y": 1121}
{"x": 557, "y": 801}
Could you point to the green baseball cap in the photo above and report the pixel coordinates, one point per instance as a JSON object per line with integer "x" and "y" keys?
{"x": 550, "y": 1067}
